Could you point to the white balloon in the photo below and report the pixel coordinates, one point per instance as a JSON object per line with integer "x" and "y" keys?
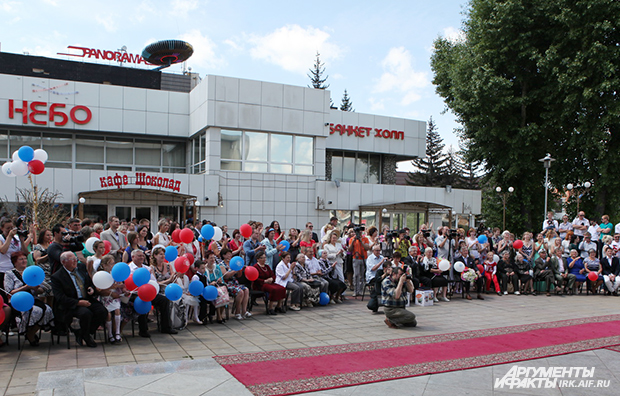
{"x": 159, "y": 245}
{"x": 16, "y": 156}
{"x": 89, "y": 244}
{"x": 6, "y": 169}
{"x": 103, "y": 280}
{"x": 495, "y": 258}
{"x": 155, "y": 284}
{"x": 444, "y": 265}
{"x": 217, "y": 233}
{"x": 40, "y": 155}
{"x": 19, "y": 168}
{"x": 459, "y": 266}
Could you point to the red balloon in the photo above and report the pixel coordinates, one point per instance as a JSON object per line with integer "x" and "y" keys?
{"x": 2, "y": 315}
{"x": 129, "y": 283}
{"x": 251, "y": 273}
{"x": 190, "y": 258}
{"x": 36, "y": 167}
{"x": 518, "y": 244}
{"x": 246, "y": 230}
{"x": 186, "y": 235}
{"x": 1, "y": 302}
{"x": 176, "y": 237}
{"x": 181, "y": 264}
{"x": 593, "y": 276}
{"x": 147, "y": 292}
{"x": 108, "y": 247}
{"x": 96, "y": 235}
{"x": 481, "y": 268}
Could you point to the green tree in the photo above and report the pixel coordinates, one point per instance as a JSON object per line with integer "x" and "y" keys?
{"x": 316, "y": 74}
{"x": 533, "y": 77}
{"x": 346, "y": 104}
{"x": 431, "y": 170}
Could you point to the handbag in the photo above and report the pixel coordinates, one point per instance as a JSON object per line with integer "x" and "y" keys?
{"x": 222, "y": 297}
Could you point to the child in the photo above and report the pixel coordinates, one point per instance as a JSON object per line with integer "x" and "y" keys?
{"x": 490, "y": 270}
{"x": 110, "y": 298}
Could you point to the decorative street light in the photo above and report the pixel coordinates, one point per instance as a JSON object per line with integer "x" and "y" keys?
{"x": 504, "y": 197}
{"x": 578, "y": 190}
{"x": 547, "y": 162}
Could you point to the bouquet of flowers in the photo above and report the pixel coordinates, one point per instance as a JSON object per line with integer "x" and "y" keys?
{"x": 469, "y": 276}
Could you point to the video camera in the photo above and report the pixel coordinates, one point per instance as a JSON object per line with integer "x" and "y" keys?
{"x": 74, "y": 240}
{"x": 425, "y": 233}
{"x": 452, "y": 233}
{"x": 22, "y": 233}
{"x": 358, "y": 228}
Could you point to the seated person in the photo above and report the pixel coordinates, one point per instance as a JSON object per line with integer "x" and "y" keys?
{"x": 413, "y": 261}
{"x": 40, "y": 315}
{"x": 236, "y": 290}
{"x": 75, "y": 297}
{"x": 328, "y": 272}
{"x": 285, "y": 277}
{"x": 393, "y": 297}
{"x": 469, "y": 263}
{"x": 312, "y": 264}
{"x": 490, "y": 273}
{"x": 431, "y": 271}
{"x": 311, "y": 287}
{"x": 564, "y": 279}
{"x": 507, "y": 273}
{"x": 592, "y": 264}
{"x": 575, "y": 267}
{"x": 523, "y": 269}
{"x": 544, "y": 271}
{"x": 266, "y": 283}
{"x": 611, "y": 271}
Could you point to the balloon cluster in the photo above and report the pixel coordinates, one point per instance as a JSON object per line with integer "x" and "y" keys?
{"x": 23, "y": 301}
{"x": 25, "y": 160}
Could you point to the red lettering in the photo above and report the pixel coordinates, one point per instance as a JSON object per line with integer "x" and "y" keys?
{"x": 103, "y": 182}
{"x": 124, "y": 57}
{"x": 34, "y": 112}
{"x": 109, "y": 55}
{"x": 331, "y": 129}
{"x": 23, "y": 110}
{"x": 378, "y": 132}
{"x": 110, "y": 181}
{"x": 54, "y": 113}
{"x": 125, "y": 180}
{"x": 386, "y": 134}
{"x": 177, "y": 186}
{"x": 147, "y": 180}
{"x": 170, "y": 184}
{"x": 89, "y": 115}
{"x": 400, "y": 135}
{"x": 159, "y": 181}
{"x": 140, "y": 179}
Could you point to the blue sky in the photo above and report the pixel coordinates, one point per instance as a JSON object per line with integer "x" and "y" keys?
{"x": 378, "y": 51}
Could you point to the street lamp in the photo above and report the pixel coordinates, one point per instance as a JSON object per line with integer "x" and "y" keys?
{"x": 547, "y": 162}
{"x": 579, "y": 190}
{"x": 504, "y": 197}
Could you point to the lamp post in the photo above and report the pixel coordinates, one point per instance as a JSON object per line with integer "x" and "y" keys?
{"x": 547, "y": 163}
{"x": 579, "y": 190}
{"x": 504, "y": 197}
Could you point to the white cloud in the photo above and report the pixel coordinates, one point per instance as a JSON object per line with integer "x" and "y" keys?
{"x": 108, "y": 22}
{"x": 399, "y": 76}
{"x": 294, "y": 48}
{"x": 51, "y": 2}
{"x": 183, "y": 7}
{"x": 234, "y": 45}
{"x": 8, "y": 6}
{"x": 204, "y": 50}
{"x": 376, "y": 104}
{"x": 453, "y": 35}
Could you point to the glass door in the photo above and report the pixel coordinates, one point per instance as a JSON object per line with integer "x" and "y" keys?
{"x": 129, "y": 212}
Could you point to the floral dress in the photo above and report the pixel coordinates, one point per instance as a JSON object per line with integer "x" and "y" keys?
{"x": 232, "y": 284}
{"x": 177, "y": 308}
{"x": 40, "y": 313}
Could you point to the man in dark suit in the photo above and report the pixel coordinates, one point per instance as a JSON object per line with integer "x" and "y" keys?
{"x": 611, "y": 271}
{"x": 412, "y": 261}
{"x": 74, "y": 296}
{"x": 545, "y": 271}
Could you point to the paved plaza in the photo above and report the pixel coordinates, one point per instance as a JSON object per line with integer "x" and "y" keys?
{"x": 181, "y": 364}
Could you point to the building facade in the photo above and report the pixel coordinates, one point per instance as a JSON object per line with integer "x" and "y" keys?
{"x": 154, "y": 145}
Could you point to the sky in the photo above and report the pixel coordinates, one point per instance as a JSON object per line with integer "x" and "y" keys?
{"x": 378, "y": 51}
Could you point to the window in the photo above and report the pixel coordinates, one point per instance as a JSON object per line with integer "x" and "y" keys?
{"x": 263, "y": 152}
{"x": 356, "y": 167}
{"x": 59, "y": 149}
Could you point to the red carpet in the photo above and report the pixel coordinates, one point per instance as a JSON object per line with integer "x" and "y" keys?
{"x": 312, "y": 369}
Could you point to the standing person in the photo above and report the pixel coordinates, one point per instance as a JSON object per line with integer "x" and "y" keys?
{"x": 564, "y": 227}
{"x": 445, "y": 245}
{"x": 10, "y": 242}
{"x": 394, "y": 299}
{"x": 335, "y": 254}
{"x": 117, "y": 239}
{"x": 294, "y": 237}
{"x": 358, "y": 247}
{"x": 236, "y": 244}
{"x": 333, "y": 221}
{"x": 313, "y": 235}
{"x": 162, "y": 237}
{"x": 251, "y": 247}
{"x": 473, "y": 244}
{"x": 272, "y": 248}
{"x": 604, "y": 229}
{"x": 580, "y": 224}
{"x": 550, "y": 223}
{"x": 586, "y": 245}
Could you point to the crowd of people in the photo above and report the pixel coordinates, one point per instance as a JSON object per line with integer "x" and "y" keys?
{"x": 292, "y": 269}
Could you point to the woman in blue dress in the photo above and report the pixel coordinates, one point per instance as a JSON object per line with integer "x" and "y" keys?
{"x": 575, "y": 267}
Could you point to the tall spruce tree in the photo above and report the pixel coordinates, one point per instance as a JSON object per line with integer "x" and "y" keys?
{"x": 453, "y": 169}
{"x": 316, "y": 74}
{"x": 432, "y": 168}
{"x": 346, "y": 104}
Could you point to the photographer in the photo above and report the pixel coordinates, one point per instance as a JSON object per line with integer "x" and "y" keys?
{"x": 403, "y": 242}
{"x": 11, "y": 240}
{"x": 394, "y": 299}
{"x": 382, "y": 273}
{"x": 358, "y": 246}
{"x": 445, "y": 243}
{"x": 64, "y": 241}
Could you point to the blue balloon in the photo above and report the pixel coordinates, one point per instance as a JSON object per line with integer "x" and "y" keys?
{"x": 236, "y": 263}
{"x": 483, "y": 239}
{"x": 200, "y": 239}
{"x": 210, "y": 293}
{"x": 174, "y": 292}
{"x": 195, "y": 288}
{"x": 171, "y": 253}
{"x": 121, "y": 271}
{"x": 141, "y": 276}
{"x": 33, "y": 275}
{"x": 141, "y": 307}
{"x": 286, "y": 245}
{"x": 324, "y": 298}
{"x": 22, "y": 301}
{"x": 25, "y": 153}
{"x": 207, "y": 231}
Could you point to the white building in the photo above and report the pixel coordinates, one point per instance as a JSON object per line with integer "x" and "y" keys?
{"x": 139, "y": 143}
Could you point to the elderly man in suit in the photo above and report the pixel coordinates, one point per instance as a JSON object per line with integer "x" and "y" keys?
{"x": 116, "y": 239}
{"x": 562, "y": 277}
{"x": 75, "y": 297}
{"x": 545, "y": 271}
{"x": 611, "y": 271}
